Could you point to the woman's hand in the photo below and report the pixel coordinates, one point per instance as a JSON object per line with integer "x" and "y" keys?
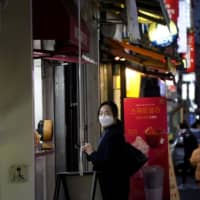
{"x": 87, "y": 148}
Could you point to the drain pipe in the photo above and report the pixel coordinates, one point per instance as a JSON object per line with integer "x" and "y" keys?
{"x": 81, "y": 95}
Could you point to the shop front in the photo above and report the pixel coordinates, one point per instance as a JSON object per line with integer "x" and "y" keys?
{"x": 77, "y": 69}
{"x": 138, "y": 85}
{"x": 65, "y": 62}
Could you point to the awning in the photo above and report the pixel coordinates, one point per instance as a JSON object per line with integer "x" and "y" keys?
{"x": 58, "y": 20}
{"x": 141, "y": 56}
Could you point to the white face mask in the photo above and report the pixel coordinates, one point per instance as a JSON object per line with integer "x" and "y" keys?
{"x": 106, "y": 120}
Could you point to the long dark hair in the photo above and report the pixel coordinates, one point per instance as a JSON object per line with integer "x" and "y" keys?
{"x": 113, "y": 107}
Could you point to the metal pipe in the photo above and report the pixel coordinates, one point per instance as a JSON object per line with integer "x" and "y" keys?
{"x": 81, "y": 116}
{"x": 98, "y": 55}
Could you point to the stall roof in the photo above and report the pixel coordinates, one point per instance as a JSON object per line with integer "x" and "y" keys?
{"x": 57, "y": 20}
{"x": 141, "y": 56}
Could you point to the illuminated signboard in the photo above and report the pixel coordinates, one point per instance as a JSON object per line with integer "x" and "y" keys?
{"x": 162, "y": 35}
{"x": 183, "y": 24}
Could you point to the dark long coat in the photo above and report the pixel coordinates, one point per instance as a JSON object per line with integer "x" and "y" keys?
{"x": 108, "y": 160}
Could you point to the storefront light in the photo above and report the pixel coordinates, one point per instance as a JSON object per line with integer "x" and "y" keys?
{"x": 184, "y": 91}
{"x": 122, "y": 59}
{"x": 162, "y": 35}
{"x": 184, "y": 61}
{"x": 150, "y": 14}
{"x": 191, "y": 91}
{"x": 117, "y": 58}
{"x": 189, "y": 77}
{"x": 144, "y": 20}
{"x": 188, "y": 91}
{"x": 133, "y": 80}
{"x": 122, "y": 5}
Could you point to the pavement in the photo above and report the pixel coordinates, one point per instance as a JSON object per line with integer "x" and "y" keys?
{"x": 189, "y": 190}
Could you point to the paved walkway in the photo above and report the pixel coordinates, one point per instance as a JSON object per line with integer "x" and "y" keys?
{"x": 189, "y": 190}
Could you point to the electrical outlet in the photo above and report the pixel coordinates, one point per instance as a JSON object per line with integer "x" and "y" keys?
{"x": 18, "y": 173}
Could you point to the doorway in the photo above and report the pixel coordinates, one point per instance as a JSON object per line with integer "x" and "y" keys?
{"x": 66, "y": 117}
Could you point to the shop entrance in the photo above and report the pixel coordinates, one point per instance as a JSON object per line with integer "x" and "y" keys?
{"x": 66, "y": 117}
{"x": 71, "y": 113}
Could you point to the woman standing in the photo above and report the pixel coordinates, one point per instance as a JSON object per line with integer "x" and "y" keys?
{"x": 108, "y": 159}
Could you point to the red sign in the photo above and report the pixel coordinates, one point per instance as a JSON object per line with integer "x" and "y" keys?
{"x": 172, "y": 9}
{"x": 145, "y": 121}
{"x": 191, "y": 53}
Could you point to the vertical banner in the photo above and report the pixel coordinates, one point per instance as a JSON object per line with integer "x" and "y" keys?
{"x": 145, "y": 121}
{"x": 191, "y": 52}
{"x": 172, "y": 9}
{"x": 182, "y": 24}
